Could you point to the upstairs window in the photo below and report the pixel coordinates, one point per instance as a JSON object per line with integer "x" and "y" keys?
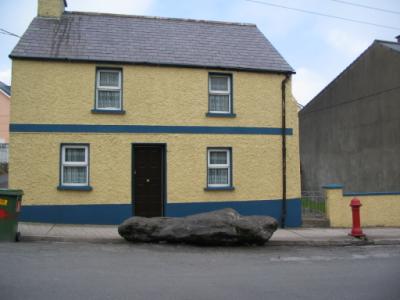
{"x": 75, "y": 165}
{"x": 219, "y": 168}
{"x": 108, "y": 90}
{"x": 220, "y": 94}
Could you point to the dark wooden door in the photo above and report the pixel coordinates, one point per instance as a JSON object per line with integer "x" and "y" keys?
{"x": 148, "y": 180}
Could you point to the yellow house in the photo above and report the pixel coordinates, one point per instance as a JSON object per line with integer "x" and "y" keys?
{"x": 117, "y": 115}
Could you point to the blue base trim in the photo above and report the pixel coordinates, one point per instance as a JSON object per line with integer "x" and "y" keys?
{"x": 332, "y": 186}
{"x": 271, "y": 208}
{"x": 117, "y": 213}
{"x": 80, "y": 128}
{"x": 340, "y": 186}
{"x": 371, "y": 193}
{"x": 105, "y": 214}
{"x": 74, "y": 188}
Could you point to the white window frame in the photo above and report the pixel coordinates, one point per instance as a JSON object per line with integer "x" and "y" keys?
{"x": 216, "y": 92}
{"x": 74, "y": 164}
{"x": 109, "y": 88}
{"x": 219, "y": 166}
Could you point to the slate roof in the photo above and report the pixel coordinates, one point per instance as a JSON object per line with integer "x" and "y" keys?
{"x": 5, "y": 88}
{"x": 150, "y": 40}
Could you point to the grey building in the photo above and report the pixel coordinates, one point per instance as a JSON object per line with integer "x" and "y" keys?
{"x": 350, "y": 132}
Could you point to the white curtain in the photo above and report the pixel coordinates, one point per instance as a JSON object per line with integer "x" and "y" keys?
{"x": 219, "y": 84}
{"x": 108, "y": 99}
{"x": 218, "y": 158}
{"x": 218, "y": 176}
{"x": 219, "y": 103}
{"x": 74, "y": 174}
{"x": 109, "y": 79}
{"x": 74, "y": 155}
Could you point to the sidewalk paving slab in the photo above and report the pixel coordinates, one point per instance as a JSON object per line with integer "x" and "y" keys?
{"x": 313, "y": 237}
{"x": 66, "y": 232}
{"x": 282, "y": 237}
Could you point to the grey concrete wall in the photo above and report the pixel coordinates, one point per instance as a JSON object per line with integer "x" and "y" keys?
{"x": 350, "y": 133}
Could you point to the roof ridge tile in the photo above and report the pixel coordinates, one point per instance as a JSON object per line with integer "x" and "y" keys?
{"x": 160, "y": 18}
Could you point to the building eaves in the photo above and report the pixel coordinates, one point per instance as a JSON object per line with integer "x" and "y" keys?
{"x": 6, "y": 89}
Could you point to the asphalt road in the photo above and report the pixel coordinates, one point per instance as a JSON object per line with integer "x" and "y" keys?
{"x": 42, "y": 270}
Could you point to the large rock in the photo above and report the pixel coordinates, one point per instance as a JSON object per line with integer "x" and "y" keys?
{"x": 221, "y": 227}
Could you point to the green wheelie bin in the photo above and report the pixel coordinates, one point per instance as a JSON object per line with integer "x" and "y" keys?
{"x": 10, "y": 207}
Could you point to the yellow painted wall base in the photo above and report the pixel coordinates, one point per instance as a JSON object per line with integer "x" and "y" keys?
{"x": 376, "y": 210}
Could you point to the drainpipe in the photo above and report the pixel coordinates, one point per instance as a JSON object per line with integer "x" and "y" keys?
{"x": 284, "y": 208}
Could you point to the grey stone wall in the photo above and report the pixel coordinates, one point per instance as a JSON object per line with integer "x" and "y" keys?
{"x": 350, "y": 132}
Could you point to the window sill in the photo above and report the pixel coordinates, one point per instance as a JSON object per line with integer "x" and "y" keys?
{"x": 219, "y": 188}
{"x": 222, "y": 115}
{"x": 74, "y": 188}
{"x": 108, "y": 111}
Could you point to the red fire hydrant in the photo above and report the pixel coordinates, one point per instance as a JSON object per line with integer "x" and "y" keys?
{"x": 356, "y": 231}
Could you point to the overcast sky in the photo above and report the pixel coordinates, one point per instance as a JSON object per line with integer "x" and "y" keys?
{"x": 318, "y": 48}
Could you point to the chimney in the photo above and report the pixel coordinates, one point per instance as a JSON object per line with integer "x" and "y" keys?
{"x": 51, "y": 8}
{"x": 398, "y": 38}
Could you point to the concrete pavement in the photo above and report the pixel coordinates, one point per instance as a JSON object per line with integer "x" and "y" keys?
{"x": 282, "y": 237}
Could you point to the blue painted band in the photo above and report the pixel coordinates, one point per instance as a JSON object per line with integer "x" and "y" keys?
{"x": 74, "y": 188}
{"x": 271, "y": 208}
{"x": 371, "y": 193}
{"x": 332, "y": 186}
{"x": 105, "y": 214}
{"x": 220, "y": 115}
{"x": 339, "y": 186}
{"x": 81, "y": 128}
{"x": 117, "y": 213}
{"x": 108, "y": 111}
{"x": 222, "y": 188}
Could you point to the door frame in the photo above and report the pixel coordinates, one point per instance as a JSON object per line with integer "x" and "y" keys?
{"x": 163, "y": 147}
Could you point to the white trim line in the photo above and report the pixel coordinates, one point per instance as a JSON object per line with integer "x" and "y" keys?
{"x": 7, "y": 95}
{"x": 75, "y": 164}
{"x": 219, "y": 166}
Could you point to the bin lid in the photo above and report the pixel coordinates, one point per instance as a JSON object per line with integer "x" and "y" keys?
{"x": 8, "y": 192}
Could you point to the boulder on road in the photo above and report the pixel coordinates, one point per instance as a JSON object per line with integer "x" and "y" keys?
{"x": 221, "y": 227}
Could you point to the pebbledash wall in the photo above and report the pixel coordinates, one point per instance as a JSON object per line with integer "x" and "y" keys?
{"x": 4, "y": 115}
{"x": 378, "y": 209}
{"x": 52, "y": 103}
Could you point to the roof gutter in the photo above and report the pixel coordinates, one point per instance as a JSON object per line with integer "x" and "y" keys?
{"x": 284, "y": 206}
